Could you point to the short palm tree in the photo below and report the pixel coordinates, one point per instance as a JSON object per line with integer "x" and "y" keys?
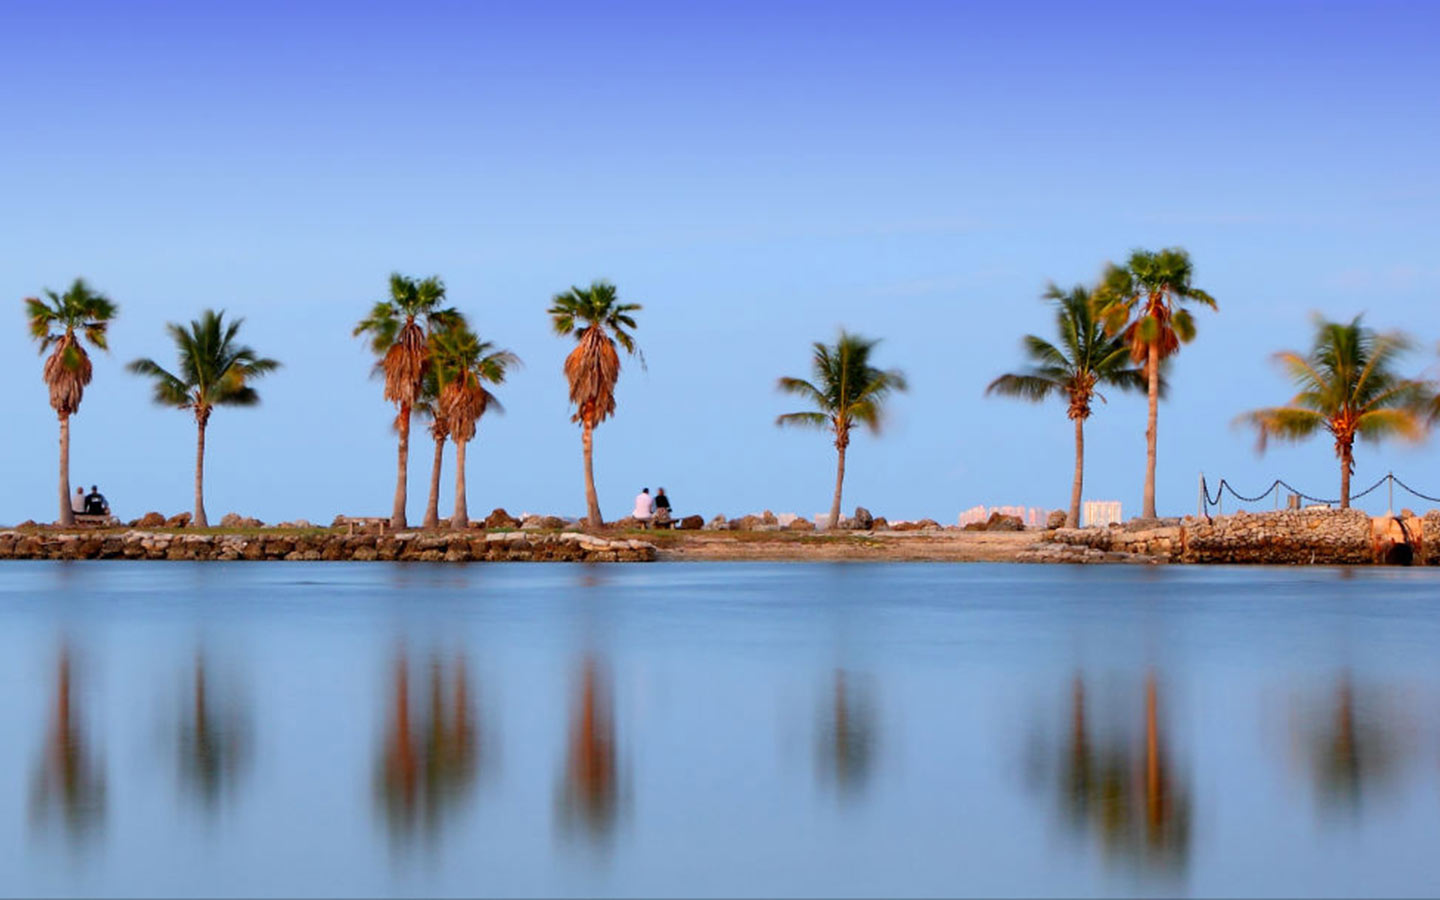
{"x": 599, "y": 321}
{"x": 61, "y": 321}
{"x": 399, "y": 330}
{"x": 1084, "y": 360}
{"x": 428, "y": 406}
{"x": 214, "y": 370}
{"x": 1348, "y": 387}
{"x": 464, "y": 364}
{"x": 847, "y": 391}
{"x": 1144, "y": 301}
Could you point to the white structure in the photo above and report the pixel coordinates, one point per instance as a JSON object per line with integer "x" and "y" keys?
{"x": 1033, "y": 516}
{"x": 1100, "y": 513}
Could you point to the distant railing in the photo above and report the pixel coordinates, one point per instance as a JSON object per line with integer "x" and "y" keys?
{"x": 1207, "y": 502}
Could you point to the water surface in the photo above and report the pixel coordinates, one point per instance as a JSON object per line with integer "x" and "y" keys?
{"x": 717, "y": 729}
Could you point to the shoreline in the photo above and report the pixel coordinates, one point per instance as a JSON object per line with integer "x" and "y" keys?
{"x": 1317, "y": 537}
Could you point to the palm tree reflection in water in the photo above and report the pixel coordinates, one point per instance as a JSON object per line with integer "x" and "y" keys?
{"x": 846, "y": 741}
{"x": 1349, "y": 752}
{"x": 213, "y": 741}
{"x": 429, "y": 761}
{"x": 589, "y": 796}
{"x": 68, "y": 777}
{"x": 1131, "y": 800}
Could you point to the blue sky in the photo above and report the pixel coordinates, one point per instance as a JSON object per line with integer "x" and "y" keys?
{"x": 757, "y": 175}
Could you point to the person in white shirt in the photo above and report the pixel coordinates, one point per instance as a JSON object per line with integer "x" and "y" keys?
{"x": 77, "y": 502}
{"x": 644, "y": 507}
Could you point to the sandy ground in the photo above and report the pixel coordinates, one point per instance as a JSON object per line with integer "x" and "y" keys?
{"x": 950, "y": 546}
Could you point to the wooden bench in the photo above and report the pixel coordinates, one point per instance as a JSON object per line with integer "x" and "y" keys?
{"x": 84, "y": 520}
{"x": 380, "y": 523}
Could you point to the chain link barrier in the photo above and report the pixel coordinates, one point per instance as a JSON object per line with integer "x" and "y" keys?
{"x": 1225, "y": 487}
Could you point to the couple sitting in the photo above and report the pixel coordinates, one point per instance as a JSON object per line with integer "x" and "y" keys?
{"x": 92, "y": 504}
{"x": 654, "y": 510}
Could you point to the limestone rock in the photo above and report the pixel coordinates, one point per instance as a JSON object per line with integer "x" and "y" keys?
{"x": 862, "y": 520}
{"x": 1002, "y": 522}
{"x": 691, "y": 523}
{"x": 719, "y": 523}
{"x": 499, "y": 518}
{"x": 801, "y": 525}
{"x": 1056, "y": 519}
{"x": 180, "y": 520}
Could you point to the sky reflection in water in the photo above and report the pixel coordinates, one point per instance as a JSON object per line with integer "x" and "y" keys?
{"x": 717, "y": 729}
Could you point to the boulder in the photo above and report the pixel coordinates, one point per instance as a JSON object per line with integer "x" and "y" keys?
{"x": 691, "y": 523}
{"x": 747, "y": 523}
{"x": 629, "y": 523}
{"x": 499, "y": 518}
{"x": 150, "y": 520}
{"x": 862, "y": 520}
{"x": 921, "y": 525}
{"x": 1002, "y": 522}
{"x": 719, "y": 523}
{"x": 235, "y": 520}
{"x": 544, "y": 523}
{"x": 880, "y": 524}
{"x": 1056, "y": 519}
{"x": 769, "y": 518}
{"x": 801, "y": 525}
{"x": 181, "y": 520}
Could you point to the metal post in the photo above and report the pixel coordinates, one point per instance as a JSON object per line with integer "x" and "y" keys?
{"x": 1391, "y": 478}
{"x": 1200, "y": 503}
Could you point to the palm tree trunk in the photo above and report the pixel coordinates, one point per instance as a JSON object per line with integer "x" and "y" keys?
{"x": 199, "y": 520}
{"x": 839, "y": 485}
{"x": 1152, "y": 373}
{"x": 432, "y": 508}
{"x": 397, "y": 514}
{"x": 1072, "y": 519}
{"x": 1347, "y": 459}
{"x": 460, "y": 519}
{"x": 592, "y": 502}
{"x": 67, "y": 515}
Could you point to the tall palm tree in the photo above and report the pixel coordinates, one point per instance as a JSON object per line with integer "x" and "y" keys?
{"x": 214, "y": 370}
{"x": 847, "y": 391}
{"x": 401, "y": 341}
{"x": 1348, "y": 387}
{"x": 1144, "y": 301}
{"x": 1084, "y": 359}
{"x": 599, "y": 321}
{"x": 61, "y": 323}
{"x": 428, "y": 406}
{"x": 464, "y": 364}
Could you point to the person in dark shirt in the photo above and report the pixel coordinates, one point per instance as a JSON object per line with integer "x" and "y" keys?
{"x": 95, "y": 504}
{"x": 662, "y": 509}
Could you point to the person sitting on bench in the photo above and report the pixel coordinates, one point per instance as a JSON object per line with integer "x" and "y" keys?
{"x": 77, "y": 502}
{"x": 95, "y": 504}
{"x": 644, "y": 508}
{"x": 662, "y": 509}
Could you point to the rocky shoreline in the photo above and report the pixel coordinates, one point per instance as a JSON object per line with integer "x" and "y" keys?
{"x": 507, "y": 546}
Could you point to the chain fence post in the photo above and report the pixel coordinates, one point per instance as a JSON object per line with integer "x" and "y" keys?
{"x": 1200, "y": 503}
{"x": 1391, "y": 478}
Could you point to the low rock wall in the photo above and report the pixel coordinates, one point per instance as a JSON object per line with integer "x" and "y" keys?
{"x": 1300, "y": 537}
{"x": 507, "y": 546}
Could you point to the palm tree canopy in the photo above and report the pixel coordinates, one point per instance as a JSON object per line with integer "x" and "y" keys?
{"x": 1143, "y": 300}
{"x": 397, "y": 337}
{"x": 1347, "y": 385}
{"x": 1084, "y": 358}
{"x": 61, "y": 321}
{"x": 214, "y": 369}
{"x": 600, "y": 321}
{"x": 464, "y": 364}
{"x": 846, "y": 388}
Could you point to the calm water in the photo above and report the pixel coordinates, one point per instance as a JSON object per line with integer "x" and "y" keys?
{"x": 720, "y": 729}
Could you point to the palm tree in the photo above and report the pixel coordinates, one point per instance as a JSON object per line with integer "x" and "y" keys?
{"x": 428, "y": 406}
{"x": 214, "y": 370}
{"x": 1144, "y": 302}
{"x": 61, "y": 323}
{"x": 1347, "y": 387}
{"x": 402, "y": 345}
{"x": 599, "y": 321}
{"x": 464, "y": 364}
{"x": 847, "y": 391}
{"x": 1084, "y": 359}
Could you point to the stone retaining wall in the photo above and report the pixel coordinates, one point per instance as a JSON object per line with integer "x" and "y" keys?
{"x": 507, "y": 546}
{"x": 1300, "y": 537}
